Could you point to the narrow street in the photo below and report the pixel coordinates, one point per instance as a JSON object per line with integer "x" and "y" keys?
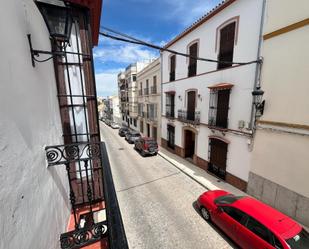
{"x": 156, "y": 200}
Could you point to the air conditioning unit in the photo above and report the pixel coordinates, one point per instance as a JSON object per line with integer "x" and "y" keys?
{"x": 241, "y": 124}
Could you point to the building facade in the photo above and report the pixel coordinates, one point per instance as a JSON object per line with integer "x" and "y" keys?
{"x": 280, "y": 156}
{"x": 206, "y": 107}
{"x": 149, "y": 100}
{"x": 127, "y": 92}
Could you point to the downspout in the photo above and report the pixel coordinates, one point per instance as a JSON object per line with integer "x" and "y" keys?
{"x": 258, "y": 69}
{"x": 161, "y": 94}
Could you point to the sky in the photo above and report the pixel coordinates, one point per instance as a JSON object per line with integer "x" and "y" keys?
{"x": 155, "y": 21}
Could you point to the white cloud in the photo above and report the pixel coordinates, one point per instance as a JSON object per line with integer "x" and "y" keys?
{"x": 106, "y": 82}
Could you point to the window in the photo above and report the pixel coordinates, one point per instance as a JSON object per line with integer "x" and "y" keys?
{"x": 192, "y": 61}
{"x": 140, "y": 91}
{"x": 172, "y": 67}
{"x": 234, "y": 213}
{"x": 300, "y": 241}
{"x": 151, "y": 111}
{"x": 219, "y": 108}
{"x": 227, "y": 199}
{"x": 133, "y": 77}
{"x": 146, "y": 90}
{"x": 130, "y": 120}
{"x": 170, "y": 105}
{"x": 258, "y": 229}
{"x": 227, "y": 36}
{"x": 154, "y": 85}
{"x": 171, "y": 136}
{"x": 135, "y": 122}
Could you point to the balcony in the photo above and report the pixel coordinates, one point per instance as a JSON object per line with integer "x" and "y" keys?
{"x": 151, "y": 117}
{"x": 189, "y": 117}
{"x": 92, "y": 196}
{"x": 140, "y": 92}
{"x": 146, "y": 91}
{"x": 170, "y": 112}
{"x": 172, "y": 75}
{"x": 153, "y": 90}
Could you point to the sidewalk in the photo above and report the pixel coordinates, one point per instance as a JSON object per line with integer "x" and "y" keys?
{"x": 197, "y": 174}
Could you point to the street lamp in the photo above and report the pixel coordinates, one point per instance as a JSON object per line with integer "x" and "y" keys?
{"x": 258, "y": 102}
{"x": 57, "y": 16}
{"x": 58, "y": 19}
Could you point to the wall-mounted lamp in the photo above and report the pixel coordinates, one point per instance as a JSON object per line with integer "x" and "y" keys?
{"x": 58, "y": 19}
{"x": 180, "y": 97}
{"x": 199, "y": 96}
{"x": 258, "y": 102}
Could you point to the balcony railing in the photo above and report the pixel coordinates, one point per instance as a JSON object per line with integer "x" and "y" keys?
{"x": 189, "y": 117}
{"x": 172, "y": 75}
{"x": 153, "y": 90}
{"x": 91, "y": 183}
{"x": 151, "y": 117}
{"x": 170, "y": 111}
{"x": 140, "y": 92}
{"x": 192, "y": 70}
{"x": 146, "y": 91}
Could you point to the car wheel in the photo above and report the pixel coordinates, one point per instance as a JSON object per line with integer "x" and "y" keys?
{"x": 205, "y": 214}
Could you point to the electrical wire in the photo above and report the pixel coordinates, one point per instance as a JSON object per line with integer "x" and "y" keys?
{"x": 136, "y": 41}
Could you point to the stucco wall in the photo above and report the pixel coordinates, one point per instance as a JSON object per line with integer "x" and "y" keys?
{"x": 33, "y": 199}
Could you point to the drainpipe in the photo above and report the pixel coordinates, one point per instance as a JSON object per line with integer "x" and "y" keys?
{"x": 161, "y": 67}
{"x": 258, "y": 69}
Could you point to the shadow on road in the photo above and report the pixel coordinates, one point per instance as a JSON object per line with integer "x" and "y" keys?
{"x": 217, "y": 229}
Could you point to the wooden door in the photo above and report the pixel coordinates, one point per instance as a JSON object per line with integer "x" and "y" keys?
{"x": 191, "y": 105}
{"x": 192, "y": 60}
{"x": 223, "y": 108}
{"x": 189, "y": 143}
{"x": 218, "y": 157}
{"x": 227, "y": 36}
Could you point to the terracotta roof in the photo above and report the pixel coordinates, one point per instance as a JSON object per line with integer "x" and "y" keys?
{"x": 221, "y": 86}
{"x": 200, "y": 21}
{"x": 95, "y": 7}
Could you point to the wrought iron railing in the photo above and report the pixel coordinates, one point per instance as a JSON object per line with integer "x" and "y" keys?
{"x": 88, "y": 173}
{"x": 146, "y": 91}
{"x": 153, "y": 90}
{"x": 140, "y": 92}
{"x": 189, "y": 117}
{"x": 170, "y": 111}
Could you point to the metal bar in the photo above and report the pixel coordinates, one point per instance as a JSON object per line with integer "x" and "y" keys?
{"x": 80, "y": 134}
{"x": 76, "y": 95}
{"x": 117, "y": 237}
{"x": 74, "y": 105}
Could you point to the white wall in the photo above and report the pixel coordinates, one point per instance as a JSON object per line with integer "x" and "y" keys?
{"x": 33, "y": 199}
{"x": 242, "y": 77}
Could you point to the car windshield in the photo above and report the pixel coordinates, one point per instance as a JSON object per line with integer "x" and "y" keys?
{"x": 300, "y": 241}
{"x": 227, "y": 199}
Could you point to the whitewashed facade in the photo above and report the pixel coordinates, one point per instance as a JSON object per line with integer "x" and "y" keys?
{"x": 149, "y": 100}
{"x": 196, "y": 131}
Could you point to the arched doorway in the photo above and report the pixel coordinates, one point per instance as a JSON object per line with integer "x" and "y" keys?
{"x": 218, "y": 155}
{"x": 189, "y": 142}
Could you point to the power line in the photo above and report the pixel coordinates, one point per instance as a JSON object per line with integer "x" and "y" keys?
{"x": 136, "y": 41}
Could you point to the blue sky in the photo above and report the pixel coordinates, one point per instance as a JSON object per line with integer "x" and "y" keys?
{"x": 156, "y": 21}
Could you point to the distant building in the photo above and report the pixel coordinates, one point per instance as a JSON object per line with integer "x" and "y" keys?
{"x": 149, "y": 100}
{"x": 206, "y": 115}
{"x": 280, "y": 158}
{"x": 127, "y": 91}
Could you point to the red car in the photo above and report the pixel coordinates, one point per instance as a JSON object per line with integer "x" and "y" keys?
{"x": 250, "y": 223}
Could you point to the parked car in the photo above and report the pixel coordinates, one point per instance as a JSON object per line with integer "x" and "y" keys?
{"x": 108, "y": 122}
{"x": 132, "y": 136}
{"x": 123, "y": 131}
{"x": 115, "y": 125}
{"x": 146, "y": 146}
{"x": 251, "y": 223}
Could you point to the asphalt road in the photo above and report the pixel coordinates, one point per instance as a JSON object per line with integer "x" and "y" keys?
{"x": 157, "y": 201}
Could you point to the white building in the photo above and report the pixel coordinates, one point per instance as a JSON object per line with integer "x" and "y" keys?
{"x": 207, "y": 106}
{"x": 114, "y": 105}
{"x": 280, "y": 158}
{"x": 149, "y": 100}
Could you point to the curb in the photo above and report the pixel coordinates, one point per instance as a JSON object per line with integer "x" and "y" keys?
{"x": 182, "y": 170}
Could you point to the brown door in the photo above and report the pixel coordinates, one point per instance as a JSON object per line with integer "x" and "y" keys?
{"x": 191, "y": 105}
{"x": 227, "y": 35}
{"x": 189, "y": 143}
{"x": 154, "y": 133}
{"x": 148, "y": 130}
{"x": 223, "y": 108}
{"x": 192, "y": 60}
{"x": 218, "y": 155}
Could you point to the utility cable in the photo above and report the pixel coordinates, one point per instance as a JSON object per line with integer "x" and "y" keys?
{"x": 133, "y": 40}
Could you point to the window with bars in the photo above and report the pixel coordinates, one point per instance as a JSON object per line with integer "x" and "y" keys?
{"x": 219, "y": 108}
{"x": 170, "y": 105}
{"x": 152, "y": 111}
{"x": 226, "y": 50}
{"x": 154, "y": 85}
